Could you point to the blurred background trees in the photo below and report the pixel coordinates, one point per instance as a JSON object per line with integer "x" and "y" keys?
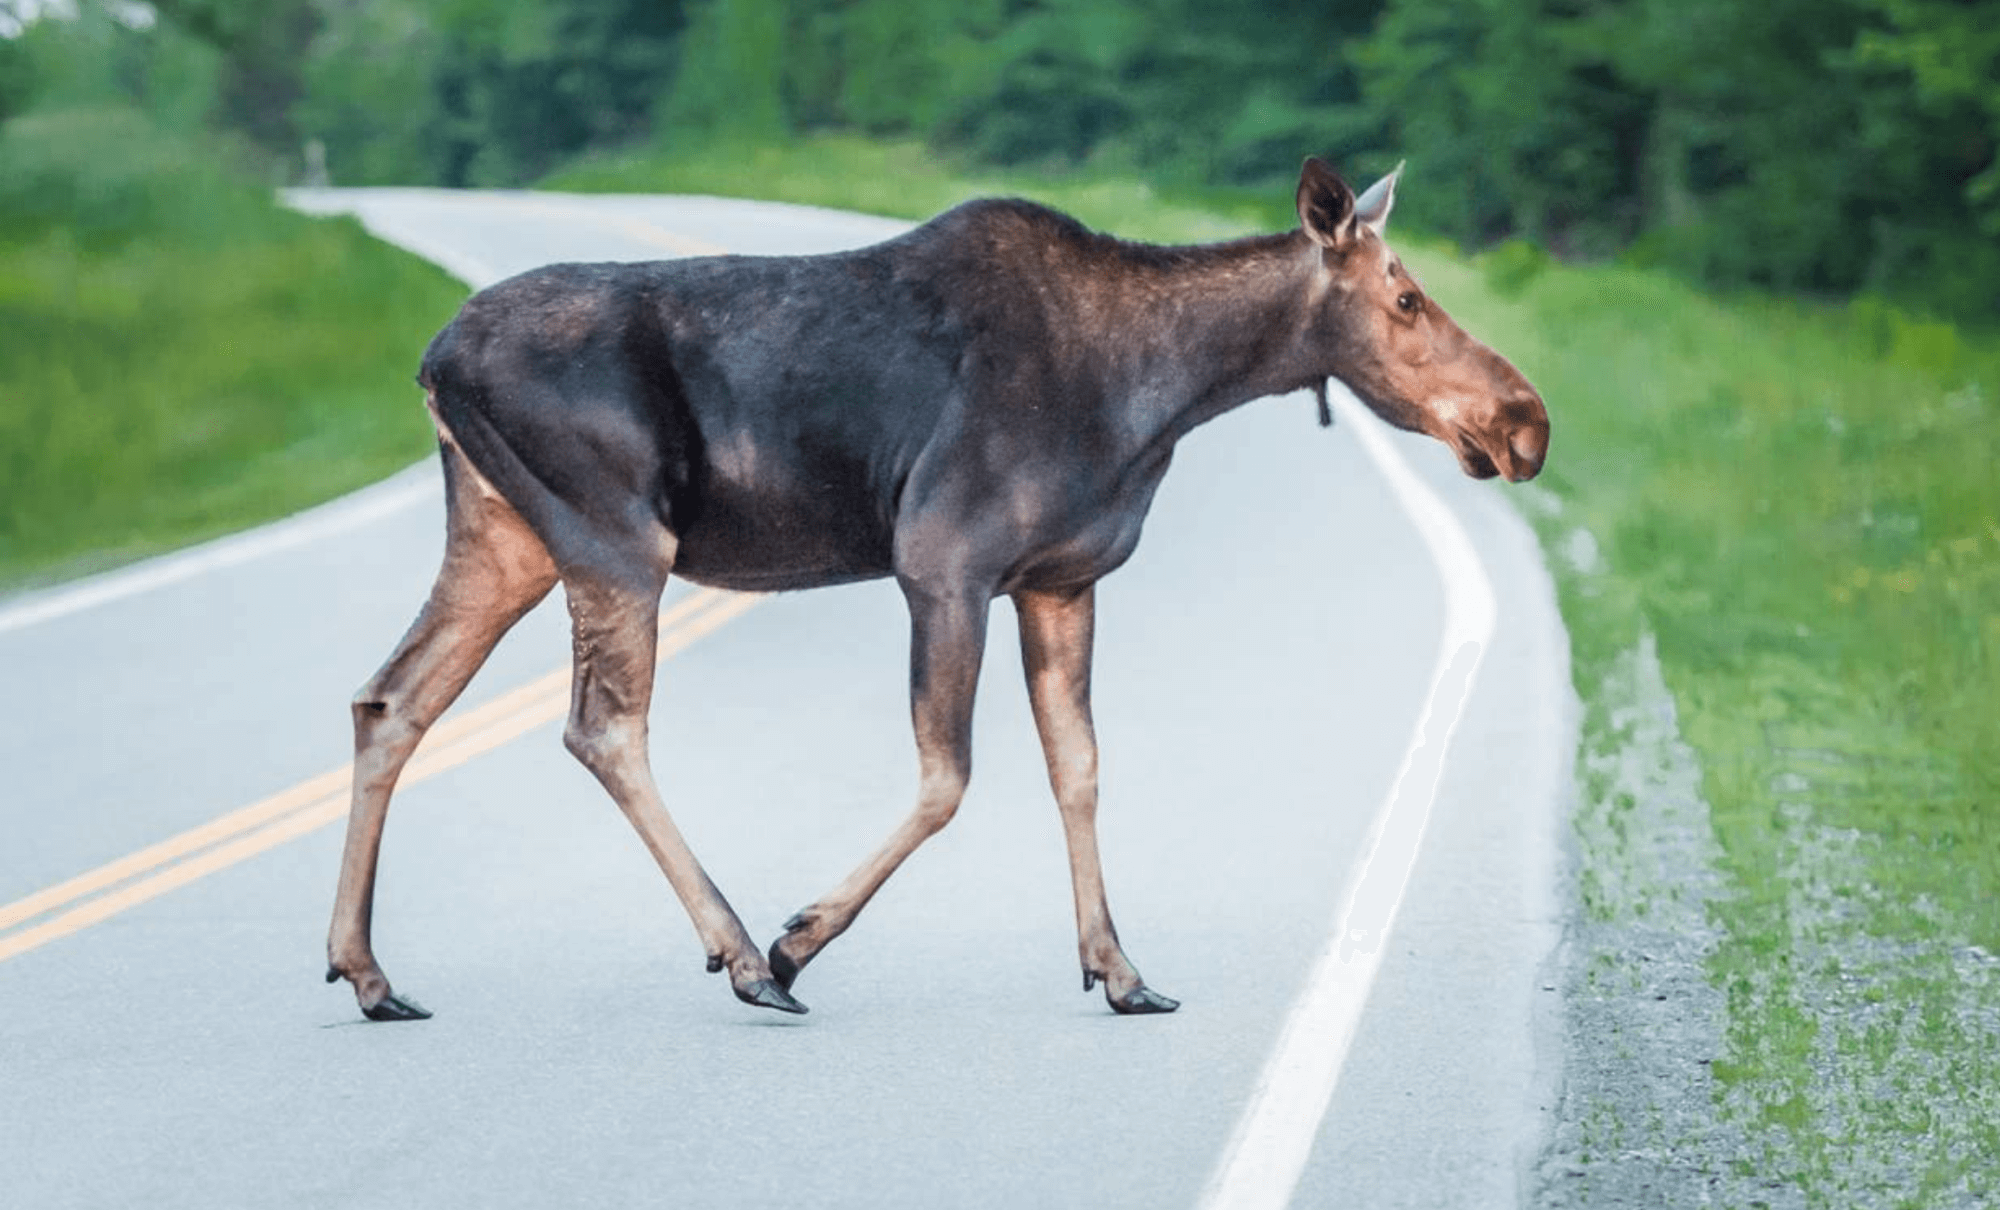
{"x": 1826, "y": 146}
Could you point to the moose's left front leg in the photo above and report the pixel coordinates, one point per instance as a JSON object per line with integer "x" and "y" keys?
{"x": 1057, "y": 630}
{"x": 947, "y": 642}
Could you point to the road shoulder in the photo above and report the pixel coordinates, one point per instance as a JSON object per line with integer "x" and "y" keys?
{"x": 1468, "y": 964}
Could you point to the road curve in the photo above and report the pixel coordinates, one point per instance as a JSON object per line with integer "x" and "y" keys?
{"x": 1264, "y": 664}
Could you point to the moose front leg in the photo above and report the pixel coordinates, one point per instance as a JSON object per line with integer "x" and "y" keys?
{"x": 947, "y": 643}
{"x": 1057, "y": 630}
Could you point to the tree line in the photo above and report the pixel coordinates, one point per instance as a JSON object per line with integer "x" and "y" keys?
{"x": 1816, "y": 145}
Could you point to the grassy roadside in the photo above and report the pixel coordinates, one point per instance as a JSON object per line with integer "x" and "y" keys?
{"x": 1802, "y": 504}
{"x": 180, "y": 357}
{"x": 1798, "y": 504}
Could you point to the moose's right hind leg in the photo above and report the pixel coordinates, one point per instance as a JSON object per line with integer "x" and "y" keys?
{"x": 494, "y": 571}
{"x": 616, "y": 643}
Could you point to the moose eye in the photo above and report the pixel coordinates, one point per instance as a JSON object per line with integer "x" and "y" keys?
{"x": 1407, "y": 304}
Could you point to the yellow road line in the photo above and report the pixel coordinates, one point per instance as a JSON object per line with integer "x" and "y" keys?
{"x": 318, "y": 801}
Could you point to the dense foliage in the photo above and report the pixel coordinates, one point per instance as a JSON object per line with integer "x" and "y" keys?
{"x": 1821, "y": 145}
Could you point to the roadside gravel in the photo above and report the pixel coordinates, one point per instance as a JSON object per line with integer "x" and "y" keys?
{"x": 1868, "y": 1067}
{"x": 1637, "y": 1123}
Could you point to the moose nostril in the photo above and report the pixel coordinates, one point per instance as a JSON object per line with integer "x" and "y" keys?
{"x": 1526, "y": 410}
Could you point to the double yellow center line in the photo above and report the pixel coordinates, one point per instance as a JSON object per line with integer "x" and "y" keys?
{"x": 99, "y": 894}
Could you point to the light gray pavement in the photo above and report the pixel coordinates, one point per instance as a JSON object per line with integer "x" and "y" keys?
{"x": 1261, "y": 663}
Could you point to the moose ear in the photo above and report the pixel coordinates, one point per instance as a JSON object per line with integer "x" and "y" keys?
{"x": 1372, "y": 209}
{"x": 1326, "y": 205}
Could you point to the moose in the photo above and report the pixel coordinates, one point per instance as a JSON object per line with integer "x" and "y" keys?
{"x": 984, "y": 405}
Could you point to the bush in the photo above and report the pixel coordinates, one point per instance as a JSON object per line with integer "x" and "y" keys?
{"x": 1511, "y": 265}
{"x": 110, "y": 175}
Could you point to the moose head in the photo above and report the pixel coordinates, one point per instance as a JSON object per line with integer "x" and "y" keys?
{"x": 1397, "y": 349}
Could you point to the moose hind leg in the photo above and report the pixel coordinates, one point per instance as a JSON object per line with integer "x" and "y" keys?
{"x": 494, "y": 571}
{"x": 616, "y": 643}
{"x": 947, "y": 643}
{"x": 1057, "y": 633}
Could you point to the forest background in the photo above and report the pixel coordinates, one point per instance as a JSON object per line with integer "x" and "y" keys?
{"x": 1827, "y": 146}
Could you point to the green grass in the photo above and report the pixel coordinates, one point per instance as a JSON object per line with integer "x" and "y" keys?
{"x": 1801, "y": 503}
{"x": 179, "y": 357}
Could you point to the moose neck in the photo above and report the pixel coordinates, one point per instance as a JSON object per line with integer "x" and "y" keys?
{"x": 1205, "y": 329}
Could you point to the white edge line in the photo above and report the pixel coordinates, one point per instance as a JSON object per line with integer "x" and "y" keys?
{"x": 1261, "y": 1165}
{"x": 351, "y": 511}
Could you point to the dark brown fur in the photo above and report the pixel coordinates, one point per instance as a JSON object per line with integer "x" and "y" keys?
{"x": 982, "y": 407}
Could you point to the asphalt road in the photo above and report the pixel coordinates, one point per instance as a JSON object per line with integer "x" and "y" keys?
{"x": 1263, "y": 664}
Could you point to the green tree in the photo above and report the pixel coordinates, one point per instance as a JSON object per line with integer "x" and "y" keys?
{"x": 1191, "y": 90}
{"x": 1824, "y": 145}
{"x": 370, "y": 94}
{"x": 95, "y": 59}
{"x": 263, "y": 46}
{"x": 1515, "y": 117}
{"x": 1932, "y": 125}
{"x": 1753, "y": 144}
{"x": 1950, "y": 54}
{"x": 483, "y": 92}
{"x": 730, "y": 80}
{"x": 896, "y": 66}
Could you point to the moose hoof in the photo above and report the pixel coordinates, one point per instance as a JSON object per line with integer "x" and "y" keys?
{"x": 1139, "y": 1001}
{"x": 766, "y": 993}
{"x": 395, "y": 1008}
{"x": 783, "y": 969}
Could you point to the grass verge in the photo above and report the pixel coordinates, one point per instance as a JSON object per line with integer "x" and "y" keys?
{"x": 180, "y": 357}
{"x": 1798, "y": 503}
